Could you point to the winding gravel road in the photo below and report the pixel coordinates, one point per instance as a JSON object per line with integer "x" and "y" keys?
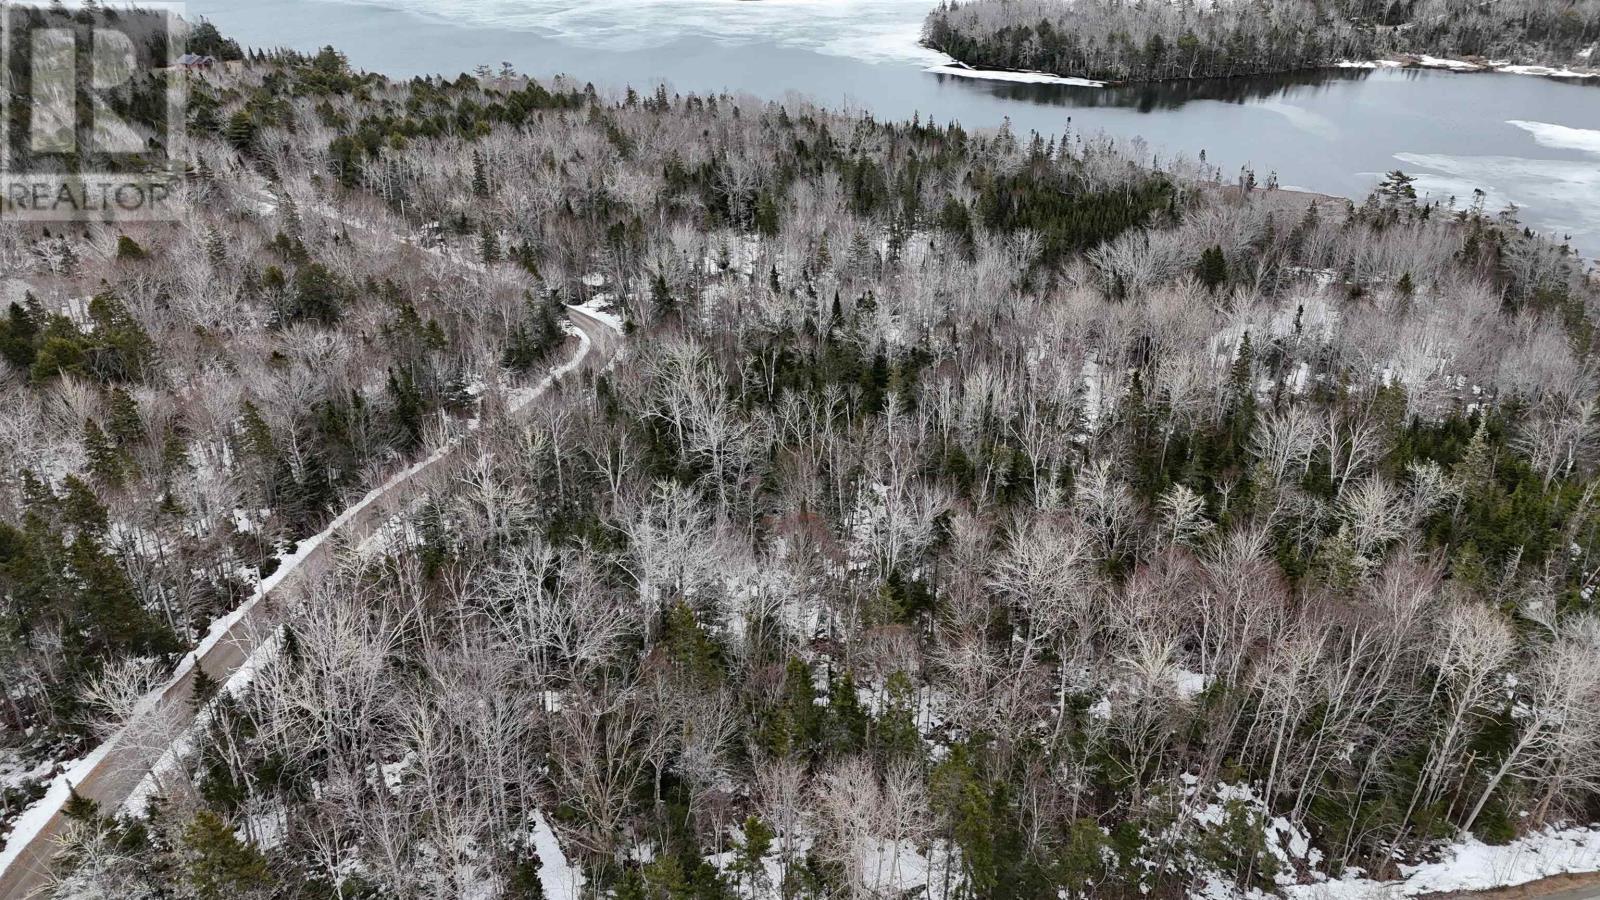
{"x": 113, "y": 770}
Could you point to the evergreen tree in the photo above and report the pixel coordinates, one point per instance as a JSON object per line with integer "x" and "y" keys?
{"x": 81, "y": 509}
{"x": 204, "y": 687}
{"x": 768, "y": 220}
{"x": 1398, "y": 190}
{"x": 1242, "y": 392}
{"x": 1474, "y": 472}
{"x": 405, "y": 409}
{"x": 112, "y": 620}
{"x": 319, "y": 296}
{"x": 125, "y": 425}
{"x": 960, "y": 797}
{"x": 488, "y": 245}
{"x": 240, "y": 131}
{"x": 105, "y": 463}
{"x": 661, "y": 296}
{"x": 1212, "y": 269}
{"x": 256, "y": 435}
{"x": 19, "y": 333}
{"x": 692, "y": 651}
{"x": 480, "y": 176}
{"x": 749, "y": 860}
{"x": 128, "y": 249}
{"x": 219, "y": 865}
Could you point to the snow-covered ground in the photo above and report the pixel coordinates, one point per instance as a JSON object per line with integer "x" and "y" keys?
{"x": 168, "y": 770}
{"x": 888, "y": 868}
{"x": 964, "y": 71}
{"x": 27, "y": 827}
{"x": 36, "y": 816}
{"x": 1425, "y": 61}
{"x": 1545, "y": 71}
{"x": 168, "y": 766}
{"x": 560, "y": 879}
{"x": 598, "y": 308}
{"x": 1472, "y": 865}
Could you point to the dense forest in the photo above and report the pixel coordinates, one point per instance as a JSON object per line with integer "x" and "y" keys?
{"x": 184, "y": 403}
{"x": 969, "y": 515}
{"x": 1117, "y": 40}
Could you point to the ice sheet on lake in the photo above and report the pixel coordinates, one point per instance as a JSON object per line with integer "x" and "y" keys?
{"x": 869, "y": 30}
{"x": 1560, "y": 137}
{"x": 1563, "y": 190}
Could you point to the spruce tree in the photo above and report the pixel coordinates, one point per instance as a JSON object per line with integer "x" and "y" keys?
{"x": 405, "y": 409}
{"x": 125, "y": 426}
{"x": 256, "y": 435}
{"x": 219, "y": 865}
{"x": 1241, "y": 386}
{"x": 488, "y": 245}
{"x": 767, "y": 216}
{"x": 318, "y": 295}
{"x": 81, "y": 508}
{"x": 128, "y": 249}
{"x": 749, "y": 859}
{"x": 108, "y": 618}
{"x": 240, "y": 131}
{"x": 661, "y": 296}
{"x": 105, "y": 463}
{"x": 203, "y": 687}
{"x": 1213, "y": 268}
{"x": 480, "y": 177}
{"x": 1474, "y": 472}
{"x": 18, "y": 336}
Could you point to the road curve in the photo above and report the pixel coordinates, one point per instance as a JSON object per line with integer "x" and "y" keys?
{"x": 1576, "y": 886}
{"x": 111, "y": 772}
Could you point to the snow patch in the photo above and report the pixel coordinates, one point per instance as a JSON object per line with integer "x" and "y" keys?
{"x": 1472, "y": 865}
{"x": 596, "y": 309}
{"x": 27, "y": 826}
{"x": 963, "y": 71}
{"x": 1454, "y": 65}
{"x": 1546, "y": 71}
{"x": 560, "y": 879}
{"x": 1461, "y": 65}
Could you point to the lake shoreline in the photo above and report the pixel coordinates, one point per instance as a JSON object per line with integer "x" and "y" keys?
{"x": 1333, "y": 131}
{"x": 1468, "y": 66}
{"x": 960, "y": 69}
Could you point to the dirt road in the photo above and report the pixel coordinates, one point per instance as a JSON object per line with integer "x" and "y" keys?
{"x": 110, "y": 774}
{"x": 1585, "y": 886}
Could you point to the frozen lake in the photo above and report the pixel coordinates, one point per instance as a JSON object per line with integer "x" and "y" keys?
{"x": 1521, "y": 139}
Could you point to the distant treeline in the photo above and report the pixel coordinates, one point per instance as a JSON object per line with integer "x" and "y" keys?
{"x": 1116, "y": 40}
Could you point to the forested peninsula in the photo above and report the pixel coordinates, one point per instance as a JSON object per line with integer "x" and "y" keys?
{"x": 1120, "y": 41}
